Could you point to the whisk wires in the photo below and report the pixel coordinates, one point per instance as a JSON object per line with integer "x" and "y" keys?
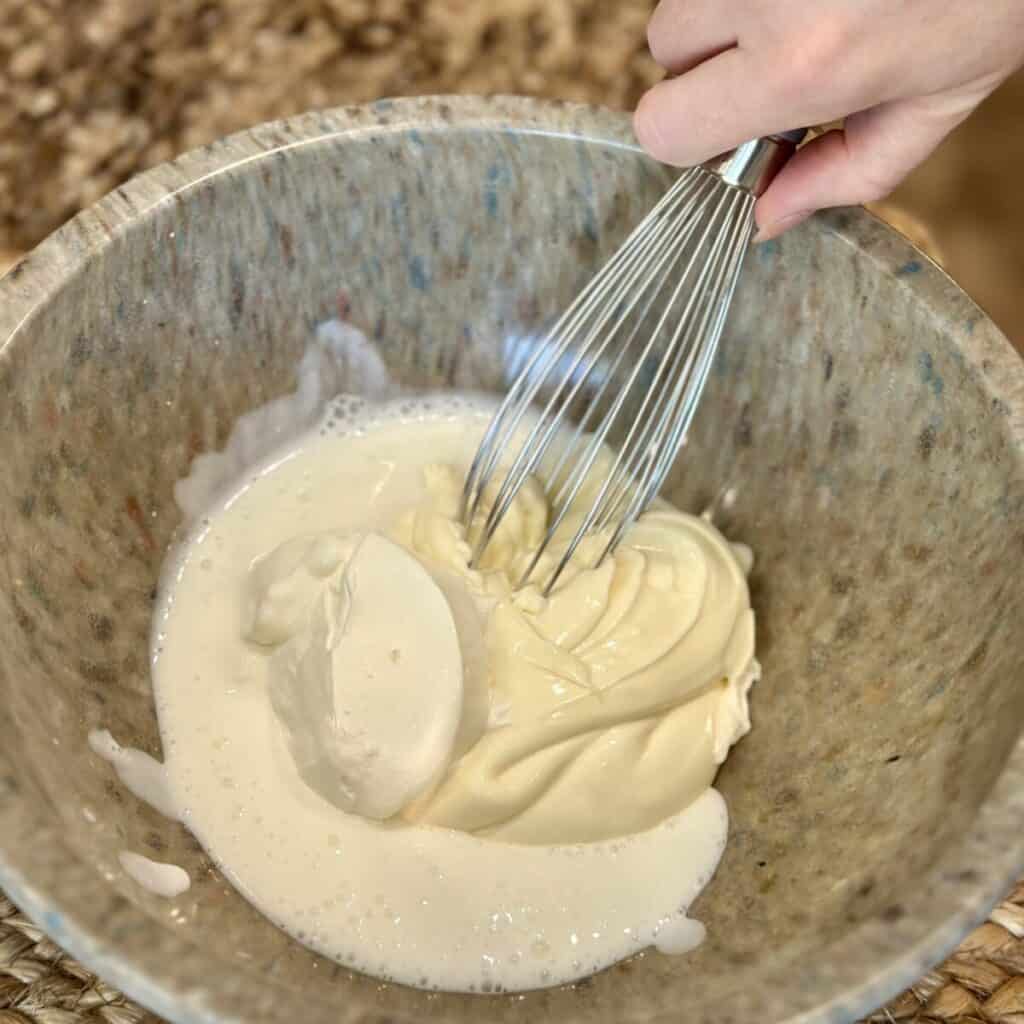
{"x": 624, "y": 364}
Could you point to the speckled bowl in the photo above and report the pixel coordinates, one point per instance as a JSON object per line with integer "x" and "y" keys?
{"x": 869, "y": 416}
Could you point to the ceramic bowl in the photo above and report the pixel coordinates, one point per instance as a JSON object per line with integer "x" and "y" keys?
{"x": 867, "y": 415}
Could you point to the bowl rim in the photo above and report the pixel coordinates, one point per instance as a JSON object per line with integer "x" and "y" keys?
{"x": 40, "y": 870}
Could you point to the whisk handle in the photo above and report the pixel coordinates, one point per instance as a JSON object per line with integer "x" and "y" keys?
{"x": 794, "y": 138}
{"x": 754, "y": 164}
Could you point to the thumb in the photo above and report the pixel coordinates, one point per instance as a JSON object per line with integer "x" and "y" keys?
{"x": 863, "y": 162}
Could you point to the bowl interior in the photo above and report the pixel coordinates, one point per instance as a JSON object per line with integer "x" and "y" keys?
{"x": 875, "y": 476}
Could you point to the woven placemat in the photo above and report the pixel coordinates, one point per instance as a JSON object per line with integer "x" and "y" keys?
{"x": 41, "y": 984}
{"x": 982, "y": 983}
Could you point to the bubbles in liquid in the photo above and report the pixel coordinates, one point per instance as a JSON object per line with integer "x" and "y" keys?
{"x": 529, "y": 948}
{"x": 348, "y": 414}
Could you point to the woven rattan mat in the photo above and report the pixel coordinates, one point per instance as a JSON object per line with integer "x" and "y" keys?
{"x": 982, "y": 983}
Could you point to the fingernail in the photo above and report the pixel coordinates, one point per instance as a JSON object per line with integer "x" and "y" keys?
{"x": 777, "y": 227}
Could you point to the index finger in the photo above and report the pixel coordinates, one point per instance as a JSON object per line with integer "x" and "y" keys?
{"x": 713, "y": 108}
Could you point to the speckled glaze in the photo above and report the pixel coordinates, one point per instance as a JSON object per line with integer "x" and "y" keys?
{"x": 869, "y": 416}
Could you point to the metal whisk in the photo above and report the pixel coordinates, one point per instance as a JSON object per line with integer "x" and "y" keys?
{"x": 628, "y": 359}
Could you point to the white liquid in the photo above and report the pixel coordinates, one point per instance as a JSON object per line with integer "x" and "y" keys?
{"x": 167, "y": 880}
{"x": 139, "y": 773}
{"x": 425, "y": 906}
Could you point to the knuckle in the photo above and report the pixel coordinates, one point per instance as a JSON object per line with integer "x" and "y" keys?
{"x": 875, "y": 182}
{"x": 875, "y": 171}
{"x": 817, "y": 56}
{"x": 660, "y": 31}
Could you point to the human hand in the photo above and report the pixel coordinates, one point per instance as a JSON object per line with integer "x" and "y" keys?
{"x": 904, "y": 73}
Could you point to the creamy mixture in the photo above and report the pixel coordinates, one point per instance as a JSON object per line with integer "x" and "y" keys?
{"x": 167, "y": 880}
{"x": 416, "y": 768}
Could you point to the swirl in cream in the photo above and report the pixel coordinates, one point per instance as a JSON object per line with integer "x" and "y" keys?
{"x": 616, "y": 698}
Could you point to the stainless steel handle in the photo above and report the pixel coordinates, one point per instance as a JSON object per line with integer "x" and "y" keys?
{"x": 753, "y": 165}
